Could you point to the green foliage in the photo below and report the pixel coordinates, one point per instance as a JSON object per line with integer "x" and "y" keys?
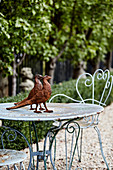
{"x": 91, "y": 38}
{"x": 22, "y": 26}
{"x": 17, "y": 98}
{"x": 42, "y": 28}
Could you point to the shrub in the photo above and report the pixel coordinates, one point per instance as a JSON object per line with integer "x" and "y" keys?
{"x": 69, "y": 88}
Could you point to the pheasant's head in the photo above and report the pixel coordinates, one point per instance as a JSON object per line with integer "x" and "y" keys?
{"x": 38, "y": 76}
{"x": 46, "y": 77}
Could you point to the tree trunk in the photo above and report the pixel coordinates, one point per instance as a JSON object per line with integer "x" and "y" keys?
{"x": 3, "y": 86}
{"x": 15, "y": 65}
{"x": 109, "y": 60}
{"x": 78, "y": 70}
{"x": 51, "y": 65}
{"x": 50, "y": 69}
{"x": 14, "y": 78}
{"x": 95, "y": 64}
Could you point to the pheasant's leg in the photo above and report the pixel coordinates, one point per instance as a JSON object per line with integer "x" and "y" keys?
{"x": 41, "y": 107}
{"x": 36, "y": 109}
{"x": 31, "y": 107}
{"x": 49, "y": 111}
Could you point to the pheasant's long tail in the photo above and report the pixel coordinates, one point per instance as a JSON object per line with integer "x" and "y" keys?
{"x": 21, "y": 101}
{"x": 20, "y": 105}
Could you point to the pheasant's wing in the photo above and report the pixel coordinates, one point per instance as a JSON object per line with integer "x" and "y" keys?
{"x": 31, "y": 94}
{"x": 38, "y": 97}
{"x": 40, "y": 86}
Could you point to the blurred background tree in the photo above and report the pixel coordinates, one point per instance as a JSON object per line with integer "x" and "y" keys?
{"x": 78, "y": 30}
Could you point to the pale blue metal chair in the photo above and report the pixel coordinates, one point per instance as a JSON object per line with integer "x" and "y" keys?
{"x": 10, "y": 158}
{"x": 100, "y": 99}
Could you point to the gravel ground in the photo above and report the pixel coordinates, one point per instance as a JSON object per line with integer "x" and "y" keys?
{"x": 91, "y": 155}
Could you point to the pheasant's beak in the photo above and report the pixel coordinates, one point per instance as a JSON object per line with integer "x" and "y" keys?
{"x": 49, "y": 77}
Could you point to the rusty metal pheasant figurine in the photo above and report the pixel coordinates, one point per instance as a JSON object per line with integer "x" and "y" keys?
{"x": 37, "y": 86}
{"x": 40, "y": 96}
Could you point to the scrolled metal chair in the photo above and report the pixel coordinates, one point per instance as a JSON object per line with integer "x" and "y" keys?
{"x": 100, "y": 99}
{"x": 71, "y": 129}
{"x": 11, "y": 158}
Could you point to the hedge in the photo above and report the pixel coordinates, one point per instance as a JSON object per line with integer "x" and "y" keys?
{"x": 68, "y": 88}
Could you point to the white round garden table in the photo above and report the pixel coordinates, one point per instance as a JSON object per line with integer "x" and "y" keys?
{"x": 61, "y": 112}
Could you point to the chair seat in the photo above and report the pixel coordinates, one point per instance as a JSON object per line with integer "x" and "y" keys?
{"x": 82, "y": 123}
{"x": 8, "y": 157}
